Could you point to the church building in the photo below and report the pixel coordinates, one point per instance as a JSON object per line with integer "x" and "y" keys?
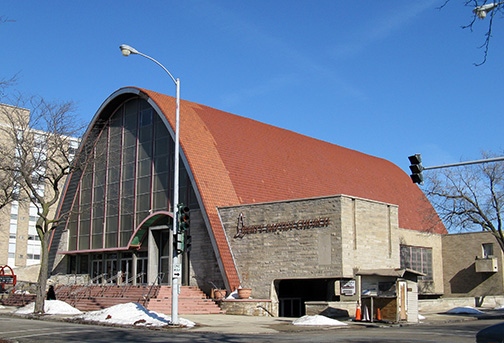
{"x": 297, "y": 220}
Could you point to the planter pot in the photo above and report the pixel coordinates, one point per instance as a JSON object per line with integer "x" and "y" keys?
{"x": 244, "y": 293}
{"x": 219, "y": 294}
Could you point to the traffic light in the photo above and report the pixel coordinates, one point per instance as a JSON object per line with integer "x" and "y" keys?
{"x": 416, "y": 168}
{"x": 178, "y": 243}
{"x": 187, "y": 242}
{"x": 183, "y": 216}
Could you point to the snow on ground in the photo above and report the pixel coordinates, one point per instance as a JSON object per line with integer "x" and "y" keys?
{"x": 130, "y": 314}
{"x": 50, "y": 307}
{"x": 122, "y": 314}
{"x": 317, "y": 320}
{"x": 464, "y": 310}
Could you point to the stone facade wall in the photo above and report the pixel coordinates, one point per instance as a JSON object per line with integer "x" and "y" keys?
{"x": 309, "y": 252}
{"x": 369, "y": 235}
{"x": 427, "y": 240}
{"x": 459, "y": 257}
{"x": 247, "y": 307}
{"x": 204, "y": 270}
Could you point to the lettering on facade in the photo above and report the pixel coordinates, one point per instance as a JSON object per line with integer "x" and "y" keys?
{"x": 242, "y": 230}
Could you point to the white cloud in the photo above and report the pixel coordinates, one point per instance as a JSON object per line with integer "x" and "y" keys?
{"x": 382, "y": 27}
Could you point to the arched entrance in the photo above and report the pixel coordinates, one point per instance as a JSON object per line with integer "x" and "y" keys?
{"x": 154, "y": 241}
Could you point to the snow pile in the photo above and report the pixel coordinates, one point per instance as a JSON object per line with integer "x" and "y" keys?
{"x": 233, "y": 295}
{"x": 464, "y": 310}
{"x": 131, "y": 314}
{"x": 500, "y": 307}
{"x": 317, "y": 320}
{"x": 50, "y": 307}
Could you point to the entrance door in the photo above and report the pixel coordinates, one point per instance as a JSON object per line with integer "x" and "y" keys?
{"x": 126, "y": 268}
{"x": 111, "y": 267}
{"x": 403, "y": 300}
{"x": 142, "y": 263}
{"x": 293, "y": 293}
{"x": 164, "y": 257}
{"x": 97, "y": 269}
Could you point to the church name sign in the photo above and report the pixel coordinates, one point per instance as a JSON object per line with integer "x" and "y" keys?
{"x": 242, "y": 230}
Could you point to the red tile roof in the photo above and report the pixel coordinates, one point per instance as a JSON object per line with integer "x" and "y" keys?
{"x": 236, "y": 160}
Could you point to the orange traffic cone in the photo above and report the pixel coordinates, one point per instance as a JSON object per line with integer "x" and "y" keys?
{"x": 378, "y": 314}
{"x": 358, "y": 316}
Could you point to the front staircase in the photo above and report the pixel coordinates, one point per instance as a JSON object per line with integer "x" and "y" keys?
{"x": 191, "y": 300}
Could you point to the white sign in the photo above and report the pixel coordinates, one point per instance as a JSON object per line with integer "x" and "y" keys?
{"x": 177, "y": 271}
{"x": 348, "y": 287}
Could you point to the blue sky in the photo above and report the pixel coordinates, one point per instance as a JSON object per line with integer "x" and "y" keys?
{"x": 388, "y": 78}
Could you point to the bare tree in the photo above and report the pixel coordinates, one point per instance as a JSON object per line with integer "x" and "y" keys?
{"x": 482, "y": 9}
{"x": 470, "y": 197}
{"x": 41, "y": 147}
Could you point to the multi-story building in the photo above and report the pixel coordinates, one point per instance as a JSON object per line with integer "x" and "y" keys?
{"x": 20, "y": 243}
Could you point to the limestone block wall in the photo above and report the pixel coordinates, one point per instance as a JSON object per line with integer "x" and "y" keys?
{"x": 427, "y": 240}
{"x": 369, "y": 235}
{"x": 303, "y": 240}
{"x": 204, "y": 270}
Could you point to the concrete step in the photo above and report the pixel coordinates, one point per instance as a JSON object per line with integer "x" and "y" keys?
{"x": 191, "y": 300}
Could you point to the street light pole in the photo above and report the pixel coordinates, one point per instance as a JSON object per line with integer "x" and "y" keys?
{"x": 176, "y": 266}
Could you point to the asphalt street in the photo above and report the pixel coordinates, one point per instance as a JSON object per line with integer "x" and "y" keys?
{"x": 49, "y": 330}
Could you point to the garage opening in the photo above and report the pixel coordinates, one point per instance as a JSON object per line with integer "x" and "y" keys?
{"x": 293, "y": 293}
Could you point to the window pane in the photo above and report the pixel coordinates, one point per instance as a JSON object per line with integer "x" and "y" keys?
{"x": 129, "y": 155}
{"x": 129, "y": 138}
{"x": 127, "y": 223}
{"x": 127, "y": 205}
{"x": 146, "y": 117}
{"x": 144, "y": 168}
{"x": 160, "y": 201}
{"x": 97, "y": 242}
{"x": 83, "y": 242}
{"x": 111, "y": 240}
{"x": 145, "y": 135}
{"x": 143, "y": 203}
{"x": 161, "y": 146}
{"x": 160, "y": 182}
{"x": 143, "y": 185}
{"x": 112, "y": 224}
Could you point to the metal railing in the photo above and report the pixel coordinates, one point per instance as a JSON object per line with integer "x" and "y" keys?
{"x": 146, "y": 298}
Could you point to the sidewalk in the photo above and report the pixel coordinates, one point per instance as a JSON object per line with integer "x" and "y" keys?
{"x": 236, "y": 324}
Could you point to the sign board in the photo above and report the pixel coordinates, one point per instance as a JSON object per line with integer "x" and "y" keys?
{"x": 177, "y": 271}
{"x": 8, "y": 279}
{"x": 348, "y": 287}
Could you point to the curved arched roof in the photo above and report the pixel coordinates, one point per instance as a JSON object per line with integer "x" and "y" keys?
{"x": 235, "y": 160}
{"x": 263, "y": 163}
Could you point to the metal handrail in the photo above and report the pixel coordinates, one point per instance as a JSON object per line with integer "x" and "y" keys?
{"x": 97, "y": 277}
{"x": 158, "y": 279}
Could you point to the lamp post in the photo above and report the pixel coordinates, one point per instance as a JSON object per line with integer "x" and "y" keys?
{"x": 176, "y": 266}
{"x": 483, "y": 10}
